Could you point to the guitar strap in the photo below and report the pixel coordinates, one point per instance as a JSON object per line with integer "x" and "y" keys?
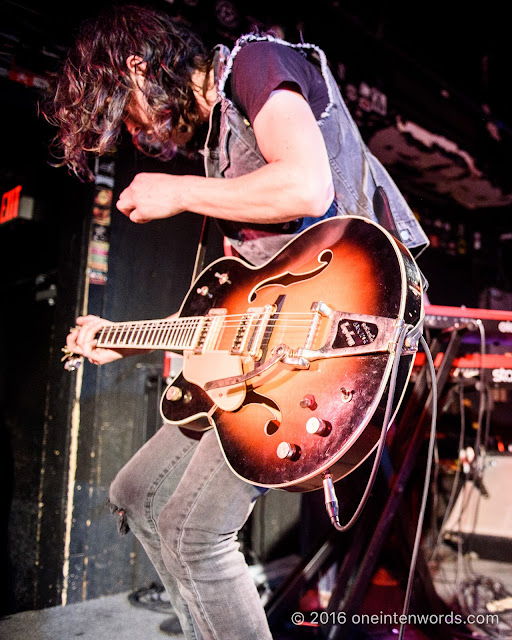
{"x": 383, "y": 212}
{"x": 380, "y": 202}
{"x": 201, "y": 249}
{"x": 220, "y": 54}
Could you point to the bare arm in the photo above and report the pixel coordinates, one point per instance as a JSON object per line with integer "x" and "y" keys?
{"x": 296, "y": 182}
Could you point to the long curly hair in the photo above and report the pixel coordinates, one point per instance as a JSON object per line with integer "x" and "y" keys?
{"x": 91, "y": 94}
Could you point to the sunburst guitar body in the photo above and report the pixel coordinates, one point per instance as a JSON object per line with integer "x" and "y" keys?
{"x": 290, "y": 362}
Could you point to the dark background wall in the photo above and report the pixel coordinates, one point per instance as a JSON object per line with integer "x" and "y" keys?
{"x": 444, "y": 73}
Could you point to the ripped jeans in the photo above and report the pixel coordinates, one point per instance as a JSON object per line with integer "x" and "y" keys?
{"x": 186, "y": 507}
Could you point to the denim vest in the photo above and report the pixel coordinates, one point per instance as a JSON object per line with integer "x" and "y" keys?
{"x": 231, "y": 150}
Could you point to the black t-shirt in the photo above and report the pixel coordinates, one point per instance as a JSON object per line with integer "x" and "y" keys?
{"x": 261, "y": 67}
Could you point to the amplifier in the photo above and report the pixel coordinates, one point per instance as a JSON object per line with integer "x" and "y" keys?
{"x": 482, "y": 513}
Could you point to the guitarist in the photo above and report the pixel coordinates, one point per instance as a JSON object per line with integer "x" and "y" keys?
{"x": 269, "y": 117}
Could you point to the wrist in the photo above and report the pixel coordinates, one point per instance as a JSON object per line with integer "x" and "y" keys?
{"x": 187, "y": 194}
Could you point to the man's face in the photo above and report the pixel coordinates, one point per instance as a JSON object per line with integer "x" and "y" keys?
{"x": 136, "y": 117}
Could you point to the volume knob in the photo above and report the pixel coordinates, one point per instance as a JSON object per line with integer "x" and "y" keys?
{"x": 317, "y": 426}
{"x": 286, "y": 450}
{"x": 174, "y": 394}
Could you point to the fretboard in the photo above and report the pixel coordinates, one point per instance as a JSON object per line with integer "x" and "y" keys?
{"x": 176, "y": 334}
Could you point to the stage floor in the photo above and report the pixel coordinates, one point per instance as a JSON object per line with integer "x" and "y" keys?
{"x": 107, "y": 618}
{"x": 116, "y": 618}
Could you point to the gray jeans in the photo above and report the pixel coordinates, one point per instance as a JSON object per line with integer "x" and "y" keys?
{"x": 186, "y": 507}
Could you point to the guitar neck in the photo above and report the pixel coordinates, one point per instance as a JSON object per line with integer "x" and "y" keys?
{"x": 175, "y": 334}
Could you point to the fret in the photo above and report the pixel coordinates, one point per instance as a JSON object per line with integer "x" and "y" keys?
{"x": 125, "y": 334}
{"x": 142, "y": 338}
{"x": 115, "y": 337}
{"x": 168, "y": 330}
{"x": 121, "y": 333}
{"x": 158, "y": 339}
{"x": 192, "y": 332}
{"x": 186, "y": 330}
{"x": 171, "y": 324}
{"x": 118, "y": 333}
{"x": 178, "y": 337}
{"x": 189, "y": 333}
{"x": 133, "y": 334}
{"x": 183, "y": 333}
{"x": 99, "y": 336}
{"x": 151, "y": 334}
{"x": 136, "y": 334}
{"x": 146, "y": 335}
{"x": 165, "y": 333}
{"x": 174, "y": 331}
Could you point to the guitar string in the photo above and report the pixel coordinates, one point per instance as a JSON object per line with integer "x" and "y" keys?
{"x": 192, "y": 319}
{"x": 127, "y": 332}
{"x": 293, "y": 333}
{"x": 268, "y": 331}
{"x": 182, "y": 330}
{"x": 180, "y": 324}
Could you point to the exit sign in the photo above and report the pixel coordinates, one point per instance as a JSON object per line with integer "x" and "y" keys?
{"x": 13, "y": 206}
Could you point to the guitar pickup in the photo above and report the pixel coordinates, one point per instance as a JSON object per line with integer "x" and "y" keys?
{"x": 251, "y": 331}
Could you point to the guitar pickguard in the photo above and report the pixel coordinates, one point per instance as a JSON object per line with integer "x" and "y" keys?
{"x": 210, "y": 365}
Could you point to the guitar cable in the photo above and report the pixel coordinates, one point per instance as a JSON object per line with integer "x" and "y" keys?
{"x": 331, "y": 501}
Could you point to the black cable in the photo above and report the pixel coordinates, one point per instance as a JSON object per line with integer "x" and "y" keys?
{"x": 482, "y": 402}
{"x": 153, "y": 598}
{"x": 331, "y": 501}
{"x": 476, "y": 593}
{"x": 478, "y": 463}
{"x": 453, "y": 492}
{"x": 421, "y": 516}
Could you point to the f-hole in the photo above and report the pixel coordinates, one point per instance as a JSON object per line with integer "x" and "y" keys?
{"x": 271, "y": 427}
{"x": 288, "y": 278}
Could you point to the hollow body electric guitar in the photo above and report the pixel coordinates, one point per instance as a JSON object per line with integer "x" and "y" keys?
{"x": 290, "y": 361}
